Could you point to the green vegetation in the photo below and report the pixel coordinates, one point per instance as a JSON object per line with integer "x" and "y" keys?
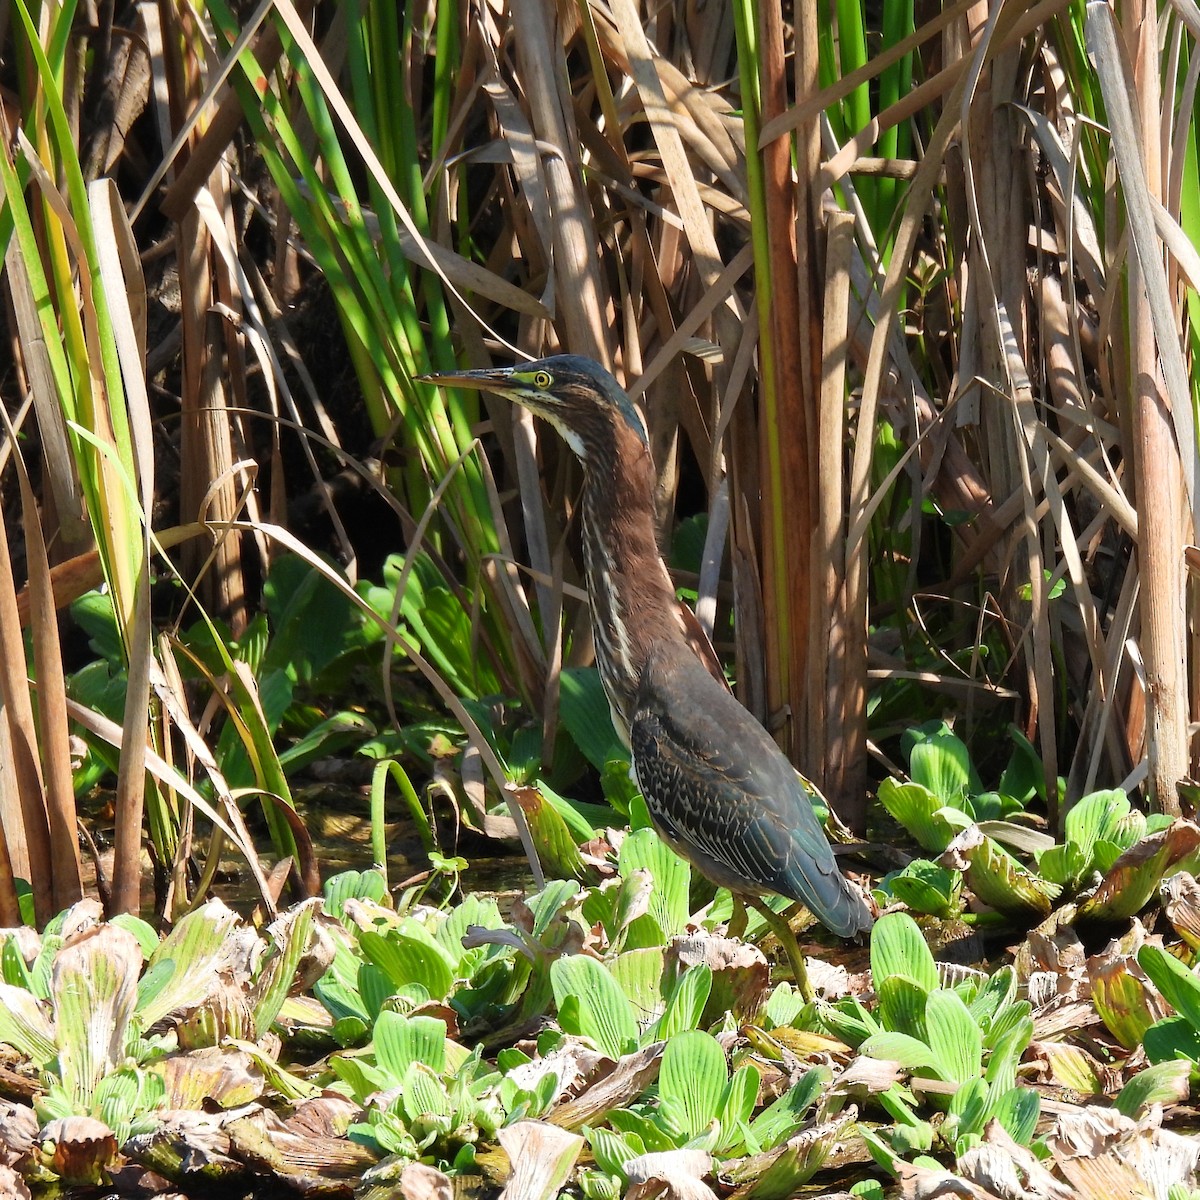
{"x": 911, "y": 311}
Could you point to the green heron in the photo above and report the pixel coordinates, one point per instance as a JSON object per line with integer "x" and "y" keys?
{"x": 717, "y": 786}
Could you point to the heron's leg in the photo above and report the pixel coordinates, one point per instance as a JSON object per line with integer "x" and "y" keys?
{"x": 738, "y": 919}
{"x": 787, "y": 939}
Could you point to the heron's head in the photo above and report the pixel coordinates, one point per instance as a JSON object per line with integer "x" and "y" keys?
{"x": 576, "y": 395}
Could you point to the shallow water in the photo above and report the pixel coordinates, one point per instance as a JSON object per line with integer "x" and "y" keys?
{"x": 337, "y": 817}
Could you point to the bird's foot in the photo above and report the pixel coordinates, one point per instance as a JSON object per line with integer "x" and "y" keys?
{"x": 783, "y": 932}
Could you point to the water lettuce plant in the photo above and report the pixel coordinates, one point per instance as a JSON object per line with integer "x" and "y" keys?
{"x": 1108, "y": 862}
{"x": 120, "y": 1024}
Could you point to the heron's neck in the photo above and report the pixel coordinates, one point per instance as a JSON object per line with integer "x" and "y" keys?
{"x": 633, "y": 601}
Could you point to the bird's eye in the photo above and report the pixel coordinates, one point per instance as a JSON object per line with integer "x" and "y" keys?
{"x": 542, "y": 380}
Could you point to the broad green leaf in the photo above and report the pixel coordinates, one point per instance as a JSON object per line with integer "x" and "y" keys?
{"x": 1024, "y": 776}
{"x": 942, "y": 764}
{"x": 617, "y": 904}
{"x": 1172, "y": 1038}
{"x": 897, "y": 1103}
{"x": 898, "y": 947}
{"x": 596, "y": 1185}
{"x": 694, "y": 1074}
{"x": 290, "y": 935}
{"x": 925, "y": 887}
{"x": 423, "y": 1093}
{"x": 357, "y": 885}
{"x": 328, "y": 739}
{"x": 556, "y": 847}
{"x": 784, "y": 1005}
{"x": 1122, "y": 834}
{"x": 312, "y": 619}
{"x": 474, "y": 910}
{"x": 737, "y": 1103}
{"x": 1064, "y": 864}
{"x": 363, "y": 1078}
{"x": 153, "y": 981}
{"x": 902, "y": 1005}
{"x": 999, "y": 879}
{"x": 1094, "y": 817}
{"x": 995, "y": 995}
{"x": 597, "y": 1008}
{"x": 584, "y": 712}
{"x": 1135, "y": 877}
{"x": 1008, "y": 1039}
{"x": 409, "y": 953}
{"x": 443, "y": 628}
{"x": 881, "y": 1152}
{"x": 1164, "y": 1083}
{"x": 671, "y": 875}
{"x": 685, "y": 1005}
{"x": 867, "y": 1189}
{"x": 582, "y": 818}
{"x": 920, "y": 812}
{"x": 652, "y": 1136}
{"x": 375, "y": 986}
{"x": 954, "y": 1037}
{"x": 1177, "y": 983}
{"x": 25, "y": 1026}
{"x": 198, "y": 946}
{"x": 639, "y": 972}
{"x": 613, "y": 1150}
{"x": 402, "y": 1040}
{"x": 13, "y": 970}
{"x": 124, "y": 1094}
{"x": 848, "y": 1021}
{"x": 147, "y": 939}
{"x": 992, "y": 806}
{"x": 351, "y": 1031}
{"x": 778, "y": 1121}
{"x": 1018, "y": 1109}
{"x": 900, "y": 1048}
{"x": 621, "y": 791}
{"x": 94, "y": 989}
{"x": 1122, "y": 1001}
{"x": 971, "y": 1106}
{"x": 547, "y": 904}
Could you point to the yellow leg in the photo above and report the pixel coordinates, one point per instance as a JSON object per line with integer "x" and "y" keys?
{"x": 738, "y": 919}
{"x": 787, "y": 939}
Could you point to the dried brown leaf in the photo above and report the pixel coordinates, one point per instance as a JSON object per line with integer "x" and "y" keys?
{"x": 419, "y": 1181}
{"x": 77, "y": 1149}
{"x": 672, "y": 1174}
{"x": 1103, "y": 1154}
{"x": 542, "y": 1156}
{"x": 1181, "y": 903}
{"x": 629, "y": 1077}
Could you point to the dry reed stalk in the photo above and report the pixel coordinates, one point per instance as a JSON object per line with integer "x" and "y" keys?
{"x": 789, "y": 352}
{"x": 1159, "y": 479}
{"x": 212, "y": 351}
{"x": 838, "y": 726}
{"x": 1159, "y": 484}
{"x": 582, "y": 301}
{"x": 66, "y": 876}
{"x": 24, "y": 826}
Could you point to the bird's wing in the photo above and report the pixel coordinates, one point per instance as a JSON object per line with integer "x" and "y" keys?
{"x": 715, "y": 780}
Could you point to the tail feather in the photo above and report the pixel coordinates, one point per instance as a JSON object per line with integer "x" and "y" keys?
{"x": 836, "y": 902}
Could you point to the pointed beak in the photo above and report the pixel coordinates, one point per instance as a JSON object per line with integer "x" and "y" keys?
{"x": 488, "y": 379}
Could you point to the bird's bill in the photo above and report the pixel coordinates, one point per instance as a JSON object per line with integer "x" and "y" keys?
{"x": 500, "y": 379}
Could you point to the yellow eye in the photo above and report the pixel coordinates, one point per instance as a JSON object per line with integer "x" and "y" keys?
{"x": 542, "y": 380}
